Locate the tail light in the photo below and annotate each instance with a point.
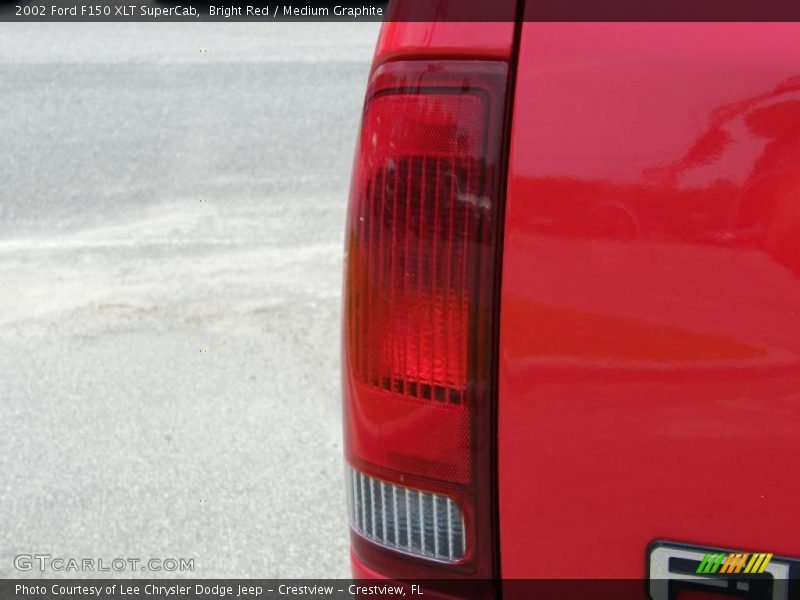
(419, 320)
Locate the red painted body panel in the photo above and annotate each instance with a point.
(441, 40)
(650, 316)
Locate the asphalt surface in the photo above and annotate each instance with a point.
(171, 220)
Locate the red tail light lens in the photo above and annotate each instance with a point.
(420, 285)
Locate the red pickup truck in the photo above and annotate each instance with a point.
(571, 337)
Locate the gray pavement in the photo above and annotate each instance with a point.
(171, 226)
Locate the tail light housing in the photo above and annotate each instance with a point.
(420, 317)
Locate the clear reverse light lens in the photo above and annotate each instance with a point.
(412, 521)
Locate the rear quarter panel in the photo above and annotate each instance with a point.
(650, 318)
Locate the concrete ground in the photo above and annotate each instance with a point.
(171, 229)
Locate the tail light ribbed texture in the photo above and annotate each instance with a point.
(419, 308)
(416, 325)
(412, 314)
(419, 523)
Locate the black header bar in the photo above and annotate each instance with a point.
(405, 10)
